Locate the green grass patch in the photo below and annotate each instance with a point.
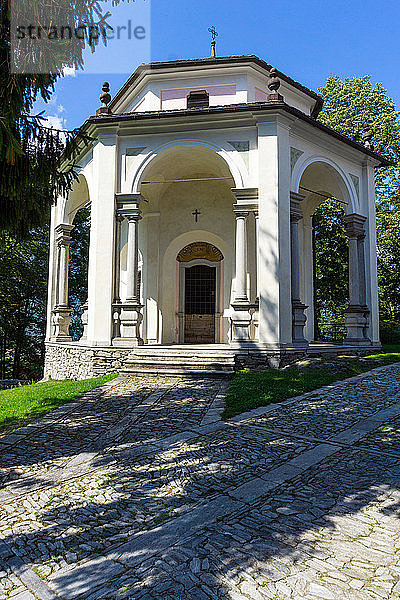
(26, 403)
(252, 389)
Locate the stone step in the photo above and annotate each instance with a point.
(164, 370)
(198, 366)
(186, 353)
(181, 359)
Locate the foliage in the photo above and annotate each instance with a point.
(331, 267)
(388, 237)
(23, 291)
(348, 106)
(30, 152)
(252, 389)
(78, 269)
(390, 332)
(28, 402)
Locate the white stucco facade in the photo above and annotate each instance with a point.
(251, 165)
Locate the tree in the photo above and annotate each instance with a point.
(331, 273)
(30, 152)
(348, 106)
(23, 292)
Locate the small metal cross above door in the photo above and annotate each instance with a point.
(196, 214)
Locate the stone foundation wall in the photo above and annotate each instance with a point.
(72, 361)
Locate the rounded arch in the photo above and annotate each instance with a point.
(136, 174)
(77, 198)
(342, 182)
(183, 240)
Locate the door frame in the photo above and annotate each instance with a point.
(182, 266)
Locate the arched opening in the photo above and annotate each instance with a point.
(70, 287)
(188, 193)
(331, 271)
(200, 293)
(78, 271)
(324, 255)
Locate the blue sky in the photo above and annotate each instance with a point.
(307, 40)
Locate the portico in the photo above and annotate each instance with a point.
(201, 218)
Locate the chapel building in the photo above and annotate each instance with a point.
(202, 177)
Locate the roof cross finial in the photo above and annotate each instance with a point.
(214, 34)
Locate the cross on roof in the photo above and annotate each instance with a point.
(213, 32)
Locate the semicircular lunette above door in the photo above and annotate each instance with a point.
(200, 250)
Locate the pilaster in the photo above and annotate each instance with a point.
(275, 313)
(102, 238)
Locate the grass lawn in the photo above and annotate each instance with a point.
(26, 403)
(251, 389)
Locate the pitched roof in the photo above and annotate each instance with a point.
(212, 62)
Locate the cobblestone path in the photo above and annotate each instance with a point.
(139, 490)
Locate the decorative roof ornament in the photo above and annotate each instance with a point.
(367, 136)
(274, 84)
(105, 98)
(214, 34)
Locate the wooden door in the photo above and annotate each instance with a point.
(200, 292)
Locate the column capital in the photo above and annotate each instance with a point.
(247, 198)
(240, 211)
(128, 204)
(63, 234)
(296, 212)
(354, 225)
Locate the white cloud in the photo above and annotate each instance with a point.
(60, 108)
(55, 122)
(69, 72)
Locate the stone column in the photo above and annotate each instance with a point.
(130, 314)
(246, 199)
(241, 255)
(61, 312)
(355, 319)
(298, 308)
(117, 277)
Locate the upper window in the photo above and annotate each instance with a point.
(198, 99)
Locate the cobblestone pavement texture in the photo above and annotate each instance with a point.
(140, 490)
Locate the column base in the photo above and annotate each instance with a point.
(298, 323)
(130, 318)
(61, 322)
(84, 319)
(356, 323)
(241, 321)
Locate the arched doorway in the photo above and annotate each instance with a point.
(200, 293)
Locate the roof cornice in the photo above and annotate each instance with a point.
(258, 108)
